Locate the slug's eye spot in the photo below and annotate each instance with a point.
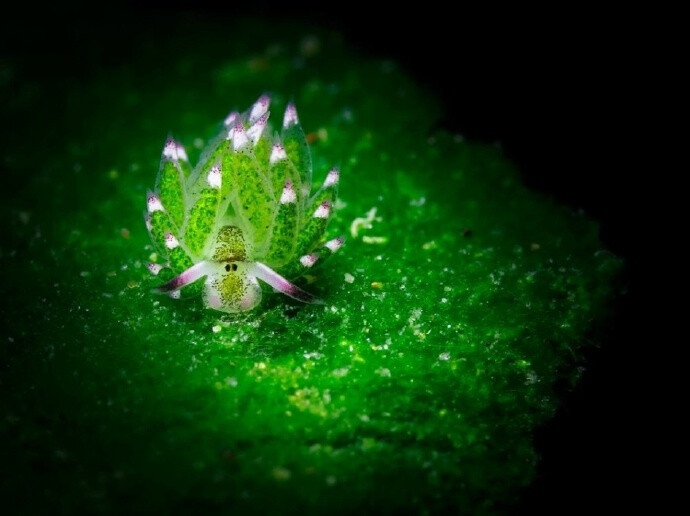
(234, 266)
(227, 267)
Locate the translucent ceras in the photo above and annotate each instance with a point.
(243, 214)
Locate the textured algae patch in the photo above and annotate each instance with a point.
(416, 387)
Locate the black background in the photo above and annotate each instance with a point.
(551, 88)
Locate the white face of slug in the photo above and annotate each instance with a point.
(231, 289)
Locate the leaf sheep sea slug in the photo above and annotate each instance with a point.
(243, 214)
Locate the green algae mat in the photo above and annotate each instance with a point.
(458, 301)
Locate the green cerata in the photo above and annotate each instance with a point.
(244, 213)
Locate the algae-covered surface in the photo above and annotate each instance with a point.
(450, 313)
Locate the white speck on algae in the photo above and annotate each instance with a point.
(374, 239)
(339, 373)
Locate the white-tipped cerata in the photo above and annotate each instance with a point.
(332, 178)
(214, 177)
(254, 132)
(308, 260)
(290, 117)
(175, 294)
(239, 137)
(277, 153)
(323, 211)
(230, 119)
(170, 241)
(153, 203)
(289, 195)
(155, 268)
(335, 244)
(259, 108)
(147, 219)
(181, 153)
(170, 150)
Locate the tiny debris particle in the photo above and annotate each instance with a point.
(364, 222)
(84, 274)
(374, 239)
(349, 278)
(531, 378)
(416, 203)
(429, 245)
(534, 246)
(281, 474)
(331, 480)
(124, 232)
(231, 381)
(444, 356)
(216, 328)
(384, 372)
(377, 285)
(113, 174)
(132, 284)
(467, 232)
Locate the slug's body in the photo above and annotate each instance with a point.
(243, 214)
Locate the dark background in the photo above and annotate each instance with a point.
(555, 90)
(549, 87)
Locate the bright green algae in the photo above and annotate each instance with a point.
(418, 385)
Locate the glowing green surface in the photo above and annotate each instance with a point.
(418, 385)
